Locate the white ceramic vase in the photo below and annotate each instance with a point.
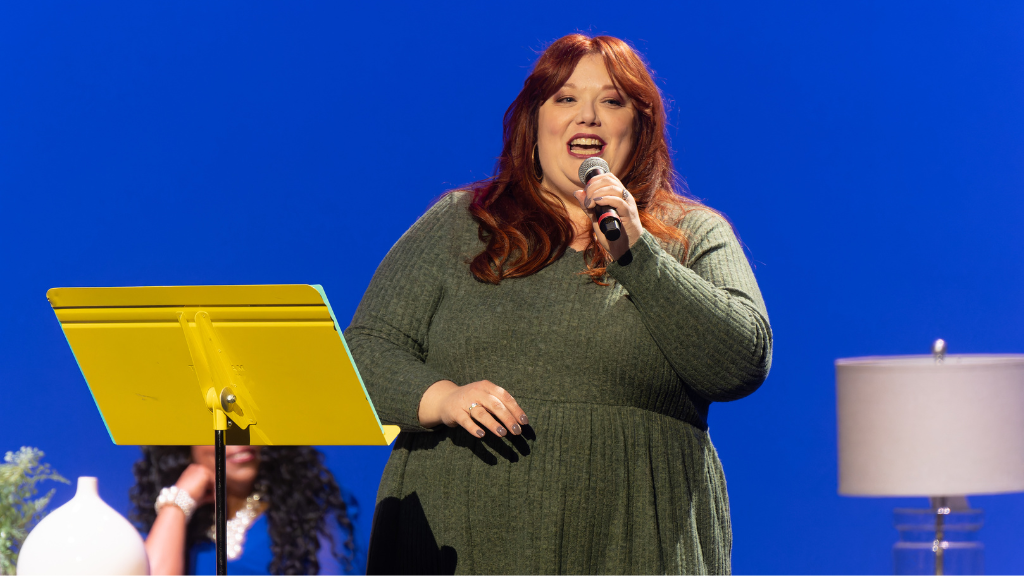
(84, 536)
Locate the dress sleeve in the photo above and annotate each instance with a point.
(388, 334)
(703, 308)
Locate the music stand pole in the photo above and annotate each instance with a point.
(221, 503)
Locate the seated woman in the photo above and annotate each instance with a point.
(286, 514)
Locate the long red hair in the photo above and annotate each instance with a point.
(522, 231)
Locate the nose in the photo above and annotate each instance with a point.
(587, 114)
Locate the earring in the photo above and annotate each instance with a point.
(538, 171)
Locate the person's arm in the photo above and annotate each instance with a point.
(165, 544)
(388, 335)
(706, 315)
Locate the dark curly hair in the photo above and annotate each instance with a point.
(300, 490)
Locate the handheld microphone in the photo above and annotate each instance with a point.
(607, 218)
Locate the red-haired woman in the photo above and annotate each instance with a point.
(553, 386)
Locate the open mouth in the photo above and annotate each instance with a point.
(585, 145)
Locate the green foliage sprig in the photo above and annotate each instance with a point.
(20, 510)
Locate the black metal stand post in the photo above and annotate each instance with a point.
(222, 503)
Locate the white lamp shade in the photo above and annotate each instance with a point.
(909, 426)
(84, 536)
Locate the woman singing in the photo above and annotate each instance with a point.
(553, 386)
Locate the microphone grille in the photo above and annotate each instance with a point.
(588, 166)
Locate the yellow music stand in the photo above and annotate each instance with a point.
(261, 365)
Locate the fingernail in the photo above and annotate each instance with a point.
(516, 429)
(502, 431)
(480, 433)
(524, 420)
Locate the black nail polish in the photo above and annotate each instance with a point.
(524, 420)
(502, 431)
(480, 433)
(516, 429)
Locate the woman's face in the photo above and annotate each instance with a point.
(588, 116)
(242, 464)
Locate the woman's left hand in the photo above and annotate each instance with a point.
(606, 190)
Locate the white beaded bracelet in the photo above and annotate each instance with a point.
(180, 498)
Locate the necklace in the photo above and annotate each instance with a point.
(238, 525)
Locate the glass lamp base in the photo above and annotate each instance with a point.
(938, 541)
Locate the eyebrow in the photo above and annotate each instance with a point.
(605, 87)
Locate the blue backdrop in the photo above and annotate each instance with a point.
(871, 156)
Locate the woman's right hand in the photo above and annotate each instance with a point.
(445, 402)
(199, 482)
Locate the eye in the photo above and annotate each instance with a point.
(614, 102)
(566, 99)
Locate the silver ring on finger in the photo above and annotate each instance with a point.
(625, 194)
(471, 406)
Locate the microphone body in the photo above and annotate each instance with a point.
(607, 218)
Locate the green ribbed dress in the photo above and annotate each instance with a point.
(616, 472)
